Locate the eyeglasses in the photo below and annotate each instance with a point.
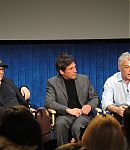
(2, 69)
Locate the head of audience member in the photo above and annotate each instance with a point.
(103, 133)
(126, 127)
(2, 69)
(124, 65)
(5, 144)
(65, 65)
(19, 126)
(71, 146)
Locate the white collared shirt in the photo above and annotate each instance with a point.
(115, 92)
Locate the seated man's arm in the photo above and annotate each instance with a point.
(108, 97)
(51, 99)
(13, 97)
(108, 102)
(117, 109)
(92, 100)
(25, 92)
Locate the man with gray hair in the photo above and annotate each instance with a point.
(116, 94)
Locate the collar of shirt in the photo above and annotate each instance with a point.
(119, 77)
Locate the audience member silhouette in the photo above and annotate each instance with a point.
(19, 126)
(71, 146)
(126, 126)
(42, 116)
(103, 133)
(6, 144)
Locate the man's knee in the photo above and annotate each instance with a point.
(59, 125)
(75, 127)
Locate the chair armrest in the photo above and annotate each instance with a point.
(98, 110)
(52, 112)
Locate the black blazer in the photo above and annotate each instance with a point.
(19, 96)
(56, 94)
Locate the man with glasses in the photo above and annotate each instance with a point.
(9, 93)
(72, 96)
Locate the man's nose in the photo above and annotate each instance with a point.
(75, 70)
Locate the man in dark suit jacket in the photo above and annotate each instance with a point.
(9, 93)
(72, 96)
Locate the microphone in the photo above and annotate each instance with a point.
(127, 90)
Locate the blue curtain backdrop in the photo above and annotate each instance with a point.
(32, 63)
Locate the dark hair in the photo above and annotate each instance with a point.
(6, 144)
(71, 146)
(63, 60)
(103, 133)
(19, 126)
(126, 119)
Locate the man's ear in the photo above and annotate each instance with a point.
(61, 72)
